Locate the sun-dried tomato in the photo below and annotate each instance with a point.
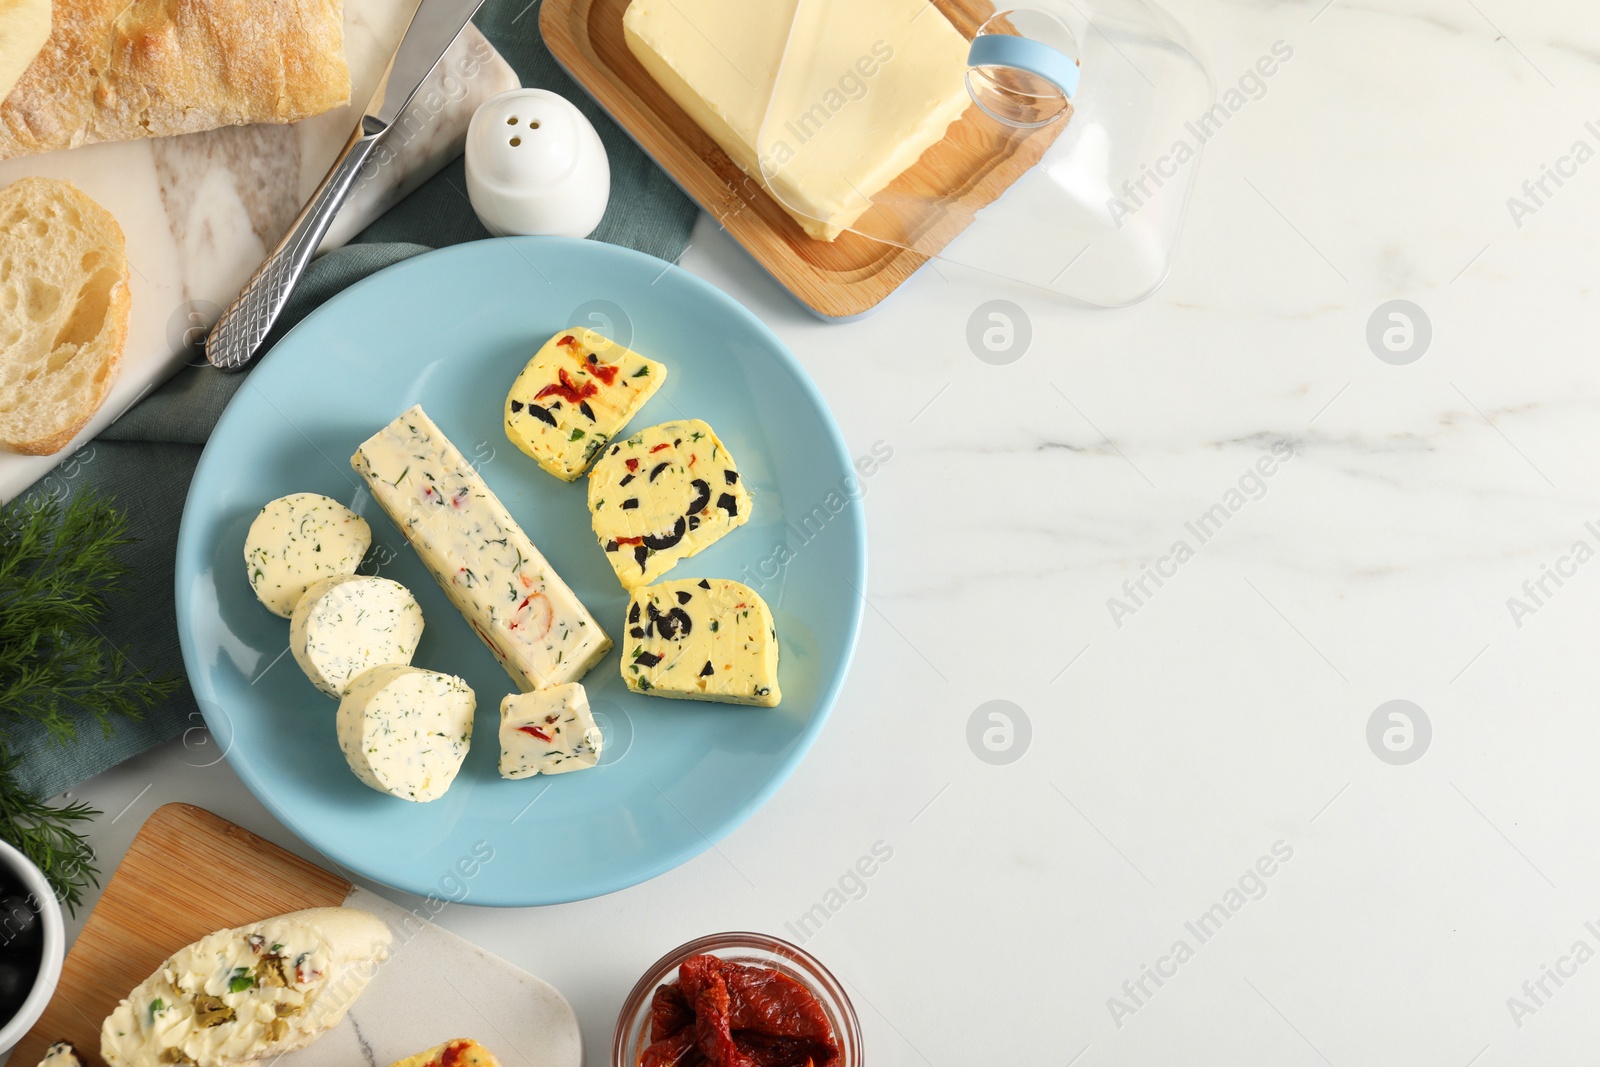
(764, 1050)
(454, 1054)
(739, 1016)
(676, 1050)
(712, 1030)
(567, 390)
(669, 1011)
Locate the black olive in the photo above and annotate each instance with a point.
(728, 504)
(694, 522)
(657, 469)
(640, 554)
(21, 930)
(611, 546)
(730, 476)
(684, 596)
(667, 540)
(674, 623)
(633, 612)
(702, 496)
(16, 980)
(626, 478)
(516, 406)
(588, 411)
(21, 950)
(704, 584)
(630, 503)
(647, 659)
(541, 414)
(637, 631)
(706, 671)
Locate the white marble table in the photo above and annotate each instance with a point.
(1229, 712)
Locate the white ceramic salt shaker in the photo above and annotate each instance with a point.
(535, 165)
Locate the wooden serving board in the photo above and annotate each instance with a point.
(190, 872)
(976, 162)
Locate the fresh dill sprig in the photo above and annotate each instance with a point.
(57, 569)
(48, 836)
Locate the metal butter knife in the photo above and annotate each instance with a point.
(238, 334)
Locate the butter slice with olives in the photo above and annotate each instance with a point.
(702, 639)
(576, 394)
(662, 495)
(462, 1052)
(61, 1054)
(248, 993)
(548, 731)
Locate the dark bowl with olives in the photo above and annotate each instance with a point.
(32, 940)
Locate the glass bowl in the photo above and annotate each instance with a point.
(758, 950)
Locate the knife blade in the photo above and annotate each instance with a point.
(239, 332)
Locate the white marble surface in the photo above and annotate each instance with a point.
(435, 987)
(1230, 711)
(201, 212)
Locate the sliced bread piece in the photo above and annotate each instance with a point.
(64, 305)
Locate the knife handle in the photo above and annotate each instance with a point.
(235, 339)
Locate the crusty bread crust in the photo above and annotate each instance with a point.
(64, 304)
(115, 70)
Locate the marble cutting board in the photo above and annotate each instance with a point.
(200, 212)
(189, 872)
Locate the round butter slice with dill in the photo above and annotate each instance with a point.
(248, 993)
(405, 731)
(298, 540)
(348, 624)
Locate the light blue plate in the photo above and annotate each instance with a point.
(450, 330)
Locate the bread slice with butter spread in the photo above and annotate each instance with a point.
(248, 993)
(64, 304)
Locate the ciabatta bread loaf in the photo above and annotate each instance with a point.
(114, 70)
(63, 312)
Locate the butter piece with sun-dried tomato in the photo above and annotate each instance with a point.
(702, 639)
(576, 394)
(550, 731)
(530, 619)
(662, 495)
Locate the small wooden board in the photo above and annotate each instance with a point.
(188, 872)
(970, 168)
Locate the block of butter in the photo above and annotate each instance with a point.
(882, 81)
(530, 619)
